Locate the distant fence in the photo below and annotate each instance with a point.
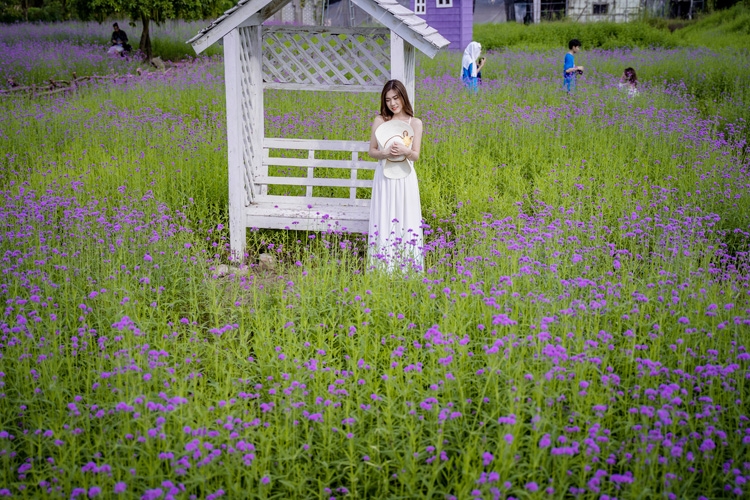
(53, 87)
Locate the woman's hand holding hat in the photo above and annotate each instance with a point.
(398, 149)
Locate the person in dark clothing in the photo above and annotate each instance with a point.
(119, 41)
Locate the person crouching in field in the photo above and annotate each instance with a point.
(629, 82)
(119, 41)
(570, 70)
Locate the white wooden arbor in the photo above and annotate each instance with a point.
(257, 57)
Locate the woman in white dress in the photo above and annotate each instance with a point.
(395, 232)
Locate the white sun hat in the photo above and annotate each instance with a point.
(386, 134)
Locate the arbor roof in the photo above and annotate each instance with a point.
(402, 21)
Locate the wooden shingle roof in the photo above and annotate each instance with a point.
(389, 13)
(405, 23)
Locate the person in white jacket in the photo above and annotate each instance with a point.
(471, 66)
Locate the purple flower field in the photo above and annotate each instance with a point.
(580, 329)
(34, 53)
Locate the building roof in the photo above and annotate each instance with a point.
(389, 13)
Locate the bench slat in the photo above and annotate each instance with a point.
(317, 202)
(293, 210)
(314, 181)
(345, 226)
(316, 144)
(304, 162)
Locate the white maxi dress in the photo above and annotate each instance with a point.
(395, 238)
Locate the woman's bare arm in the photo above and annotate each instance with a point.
(375, 151)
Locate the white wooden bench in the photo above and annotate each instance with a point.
(309, 211)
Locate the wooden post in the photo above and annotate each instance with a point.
(397, 57)
(537, 11)
(255, 103)
(233, 86)
(398, 66)
(410, 68)
(403, 58)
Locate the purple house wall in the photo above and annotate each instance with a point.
(452, 18)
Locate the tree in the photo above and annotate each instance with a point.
(147, 11)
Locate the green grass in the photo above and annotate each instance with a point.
(587, 275)
(716, 30)
(605, 35)
(726, 28)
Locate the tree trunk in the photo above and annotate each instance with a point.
(145, 44)
(25, 9)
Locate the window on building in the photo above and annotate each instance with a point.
(601, 9)
(442, 4)
(420, 6)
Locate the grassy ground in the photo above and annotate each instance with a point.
(728, 28)
(579, 329)
(717, 30)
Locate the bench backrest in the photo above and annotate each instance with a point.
(316, 172)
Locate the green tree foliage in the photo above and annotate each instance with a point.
(34, 10)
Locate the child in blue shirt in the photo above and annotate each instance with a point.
(570, 70)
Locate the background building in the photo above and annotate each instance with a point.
(454, 18)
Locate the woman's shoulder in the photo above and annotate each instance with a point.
(376, 122)
(416, 122)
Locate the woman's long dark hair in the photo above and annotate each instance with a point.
(631, 77)
(396, 85)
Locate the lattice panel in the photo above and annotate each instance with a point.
(250, 126)
(322, 58)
